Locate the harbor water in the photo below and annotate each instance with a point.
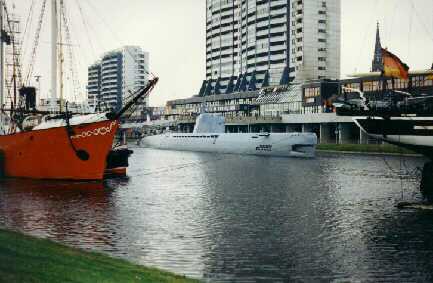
(230, 218)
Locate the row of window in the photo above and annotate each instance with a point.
(199, 137)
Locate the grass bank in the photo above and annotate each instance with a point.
(27, 259)
(365, 148)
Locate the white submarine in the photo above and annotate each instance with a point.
(209, 136)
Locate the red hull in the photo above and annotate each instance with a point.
(115, 172)
(48, 154)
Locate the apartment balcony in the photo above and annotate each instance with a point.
(93, 72)
(278, 38)
(93, 81)
(262, 50)
(281, 20)
(278, 3)
(262, 33)
(282, 11)
(278, 47)
(227, 21)
(107, 71)
(262, 17)
(279, 29)
(110, 62)
(227, 29)
(262, 68)
(278, 57)
(110, 77)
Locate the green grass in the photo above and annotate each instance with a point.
(367, 148)
(27, 259)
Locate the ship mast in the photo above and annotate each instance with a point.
(54, 39)
(1, 56)
(61, 59)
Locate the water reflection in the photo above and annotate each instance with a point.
(241, 218)
(62, 211)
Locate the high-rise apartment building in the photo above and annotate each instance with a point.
(116, 76)
(94, 84)
(315, 39)
(254, 43)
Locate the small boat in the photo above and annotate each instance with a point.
(209, 136)
(117, 161)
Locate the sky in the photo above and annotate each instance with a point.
(174, 33)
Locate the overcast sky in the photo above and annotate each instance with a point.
(173, 32)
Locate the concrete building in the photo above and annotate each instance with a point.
(315, 36)
(301, 106)
(94, 84)
(254, 43)
(116, 76)
(297, 107)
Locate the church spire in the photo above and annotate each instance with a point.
(377, 65)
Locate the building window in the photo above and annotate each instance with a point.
(311, 92)
(322, 39)
(322, 59)
(322, 31)
(321, 68)
(299, 58)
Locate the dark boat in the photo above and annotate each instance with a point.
(117, 162)
(396, 117)
(406, 121)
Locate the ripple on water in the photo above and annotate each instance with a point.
(241, 218)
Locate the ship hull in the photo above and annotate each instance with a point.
(414, 133)
(275, 144)
(49, 154)
(117, 162)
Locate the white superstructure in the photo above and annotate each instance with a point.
(209, 136)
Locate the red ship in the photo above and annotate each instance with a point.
(50, 153)
(68, 147)
(55, 144)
